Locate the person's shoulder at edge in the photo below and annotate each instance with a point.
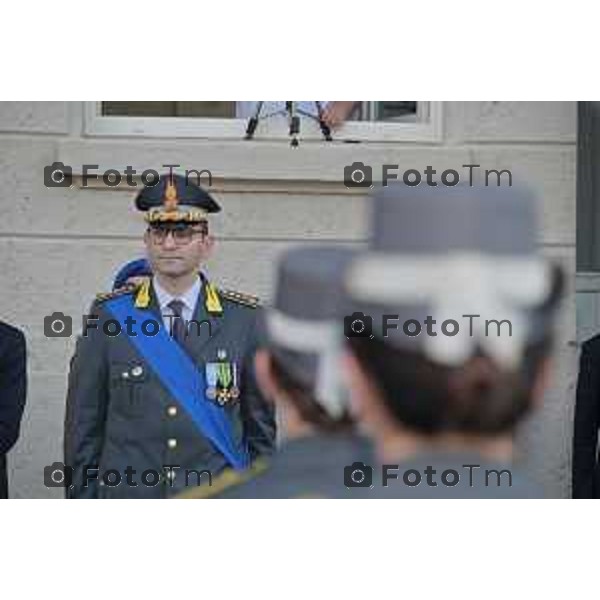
(10, 331)
(11, 338)
(592, 343)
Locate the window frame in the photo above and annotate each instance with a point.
(427, 130)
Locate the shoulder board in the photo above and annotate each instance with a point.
(225, 481)
(115, 293)
(240, 298)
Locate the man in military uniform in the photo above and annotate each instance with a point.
(162, 393)
(456, 350)
(299, 370)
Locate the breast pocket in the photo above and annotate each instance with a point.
(127, 385)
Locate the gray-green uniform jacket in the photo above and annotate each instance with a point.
(346, 467)
(120, 416)
(309, 467)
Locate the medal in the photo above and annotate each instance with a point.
(222, 397)
(210, 370)
(235, 390)
(224, 375)
(224, 381)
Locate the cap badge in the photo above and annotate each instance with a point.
(171, 199)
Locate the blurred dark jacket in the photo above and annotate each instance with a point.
(586, 472)
(13, 389)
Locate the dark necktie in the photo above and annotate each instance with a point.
(177, 322)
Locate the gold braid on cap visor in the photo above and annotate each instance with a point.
(170, 212)
(159, 215)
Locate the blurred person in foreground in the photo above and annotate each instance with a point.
(299, 370)
(13, 391)
(442, 406)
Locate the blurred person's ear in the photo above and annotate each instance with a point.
(366, 403)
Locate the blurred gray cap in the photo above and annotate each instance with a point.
(446, 253)
(304, 325)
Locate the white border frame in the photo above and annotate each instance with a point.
(234, 129)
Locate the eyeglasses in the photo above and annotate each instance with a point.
(181, 236)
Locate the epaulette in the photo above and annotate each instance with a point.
(225, 481)
(240, 298)
(126, 289)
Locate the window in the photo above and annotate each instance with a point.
(388, 111)
(368, 121)
(206, 110)
(363, 111)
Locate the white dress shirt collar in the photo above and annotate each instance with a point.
(189, 298)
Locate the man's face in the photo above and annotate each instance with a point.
(177, 249)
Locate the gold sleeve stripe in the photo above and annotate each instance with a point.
(228, 479)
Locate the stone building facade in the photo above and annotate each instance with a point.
(60, 246)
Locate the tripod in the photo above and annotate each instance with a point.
(292, 114)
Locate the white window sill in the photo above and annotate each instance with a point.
(426, 130)
(272, 160)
